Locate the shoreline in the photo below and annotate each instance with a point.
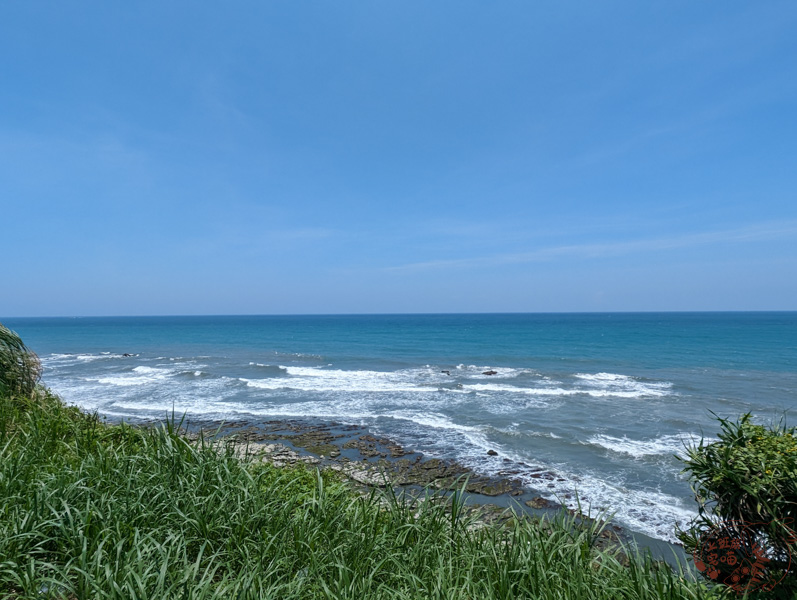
(140, 508)
(369, 461)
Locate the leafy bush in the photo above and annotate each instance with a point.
(19, 367)
(746, 488)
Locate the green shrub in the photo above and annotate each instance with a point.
(746, 488)
(19, 367)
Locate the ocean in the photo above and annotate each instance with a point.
(605, 401)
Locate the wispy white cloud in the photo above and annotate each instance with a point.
(752, 233)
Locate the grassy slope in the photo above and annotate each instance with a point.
(95, 511)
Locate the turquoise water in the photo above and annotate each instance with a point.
(605, 401)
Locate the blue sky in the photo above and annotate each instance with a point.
(414, 156)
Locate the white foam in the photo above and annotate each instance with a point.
(314, 379)
(515, 431)
(623, 386)
(80, 358)
(140, 375)
(553, 391)
(604, 377)
(257, 364)
(477, 372)
(435, 421)
(497, 387)
(648, 511)
(666, 444)
(431, 380)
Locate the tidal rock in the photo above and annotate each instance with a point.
(371, 477)
(278, 455)
(540, 502)
(365, 449)
(608, 534)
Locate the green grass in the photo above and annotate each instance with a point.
(93, 511)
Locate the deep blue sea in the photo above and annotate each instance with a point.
(606, 401)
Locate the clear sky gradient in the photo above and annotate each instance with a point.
(414, 156)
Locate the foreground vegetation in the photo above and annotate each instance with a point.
(746, 487)
(93, 511)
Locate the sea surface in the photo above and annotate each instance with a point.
(606, 401)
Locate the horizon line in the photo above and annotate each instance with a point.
(396, 314)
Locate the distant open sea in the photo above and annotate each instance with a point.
(606, 401)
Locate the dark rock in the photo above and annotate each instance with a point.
(364, 448)
(313, 438)
(608, 534)
(490, 372)
(432, 463)
(492, 453)
(540, 502)
(329, 450)
(394, 449)
(494, 487)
